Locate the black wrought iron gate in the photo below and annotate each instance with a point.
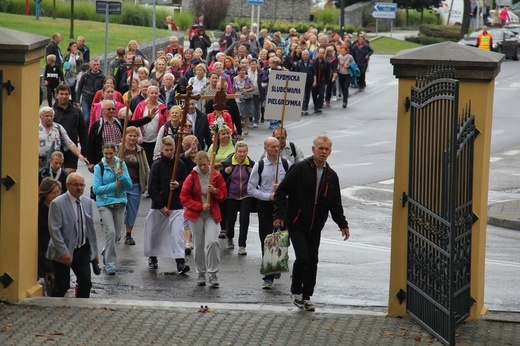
(439, 205)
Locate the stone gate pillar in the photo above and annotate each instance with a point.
(20, 55)
(476, 70)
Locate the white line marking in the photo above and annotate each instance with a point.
(377, 143)
(503, 263)
(387, 182)
(515, 85)
(348, 243)
(511, 152)
(494, 159)
(354, 164)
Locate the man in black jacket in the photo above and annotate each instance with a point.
(306, 66)
(54, 48)
(304, 212)
(200, 125)
(88, 85)
(321, 73)
(71, 118)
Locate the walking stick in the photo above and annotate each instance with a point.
(281, 129)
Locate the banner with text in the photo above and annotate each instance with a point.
(274, 104)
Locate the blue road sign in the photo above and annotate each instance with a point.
(385, 10)
(256, 2)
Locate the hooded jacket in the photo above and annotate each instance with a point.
(159, 183)
(105, 187)
(299, 207)
(236, 181)
(191, 195)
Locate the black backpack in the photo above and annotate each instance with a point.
(92, 194)
(285, 165)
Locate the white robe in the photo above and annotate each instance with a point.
(164, 236)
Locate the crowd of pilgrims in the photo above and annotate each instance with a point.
(194, 204)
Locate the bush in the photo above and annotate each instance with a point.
(448, 33)
(135, 15)
(328, 16)
(424, 40)
(430, 17)
(183, 19)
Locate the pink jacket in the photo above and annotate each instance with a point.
(163, 113)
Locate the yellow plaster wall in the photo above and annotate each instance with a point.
(19, 208)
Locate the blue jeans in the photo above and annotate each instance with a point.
(85, 108)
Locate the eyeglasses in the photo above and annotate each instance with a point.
(77, 185)
(110, 109)
(188, 125)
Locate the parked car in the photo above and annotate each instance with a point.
(515, 8)
(514, 28)
(504, 41)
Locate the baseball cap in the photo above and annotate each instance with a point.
(215, 46)
(195, 61)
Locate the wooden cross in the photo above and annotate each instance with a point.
(135, 64)
(221, 99)
(186, 97)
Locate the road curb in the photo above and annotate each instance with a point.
(505, 214)
(94, 303)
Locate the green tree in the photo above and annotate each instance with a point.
(419, 5)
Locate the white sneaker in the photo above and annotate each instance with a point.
(230, 244)
(255, 125)
(334, 98)
(242, 251)
(201, 281)
(213, 281)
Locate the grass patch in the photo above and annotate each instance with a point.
(94, 32)
(387, 45)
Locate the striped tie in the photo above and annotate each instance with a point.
(81, 235)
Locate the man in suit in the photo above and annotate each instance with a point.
(200, 125)
(73, 238)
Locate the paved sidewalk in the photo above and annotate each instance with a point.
(505, 214)
(57, 321)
